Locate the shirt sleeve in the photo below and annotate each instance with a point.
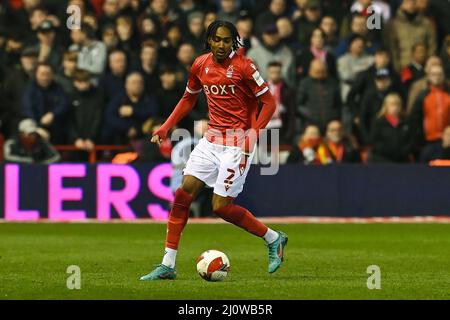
(193, 85)
(253, 79)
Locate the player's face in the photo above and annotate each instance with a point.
(221, 44)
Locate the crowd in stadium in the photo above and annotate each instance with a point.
(354, 81)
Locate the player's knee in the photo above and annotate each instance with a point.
(191, 187)
(217, 205)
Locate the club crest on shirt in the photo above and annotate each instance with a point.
(206, 70)
(230, 71)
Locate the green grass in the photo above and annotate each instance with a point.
(322, 262)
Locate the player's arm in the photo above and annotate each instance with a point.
(184, 106)
(266, 113)
(182, 109)
(261, 91)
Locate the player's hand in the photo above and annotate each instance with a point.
(159, 135)
(157, 139)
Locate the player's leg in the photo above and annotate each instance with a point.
(241, 217)
(178, 218)
(200, 169)
(230, 182)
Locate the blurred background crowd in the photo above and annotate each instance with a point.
(354, 80)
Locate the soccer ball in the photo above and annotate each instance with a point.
(213, 265)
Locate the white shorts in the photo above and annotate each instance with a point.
(218, 167)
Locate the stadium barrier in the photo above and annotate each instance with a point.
(75, 192)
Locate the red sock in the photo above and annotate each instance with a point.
(243, 218)
(178, 218)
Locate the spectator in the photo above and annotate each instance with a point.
(315, 51)
(90, 19)
(28, 146)
(149, 67)
(110, 38)
(431, 110)
(318, 99)
(169, 46)
(244, 26)
(366, 8)
(276, 10)
(110, 11)
(170, 92)
(308, 22)
(298, 10)
(91, 53)
(15, 43)
(188, 6)
(126, 113)
(284, 117)
(337, 148)
(329, 26)
(420, 85)
(352, 63)
(415, 69)
(271, 49)
(86, 108)
(229, 11)
(391, 133)
(112, 82)
(196, 31)
(19, 18)
(185, 56)
(372, 103)
(65, 77)
(48, 50)
(148, 28)
(36, 17)
(15, 84)
(407, 28)
(439, 150)
(165, 15)
(365, 81)
(210, 16)
(127, 40)
(44, 101)
(305, 150)
(358, 27)
(286, 32)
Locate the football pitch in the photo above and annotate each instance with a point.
(323, 261)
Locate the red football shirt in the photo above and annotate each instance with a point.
(232, 88)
